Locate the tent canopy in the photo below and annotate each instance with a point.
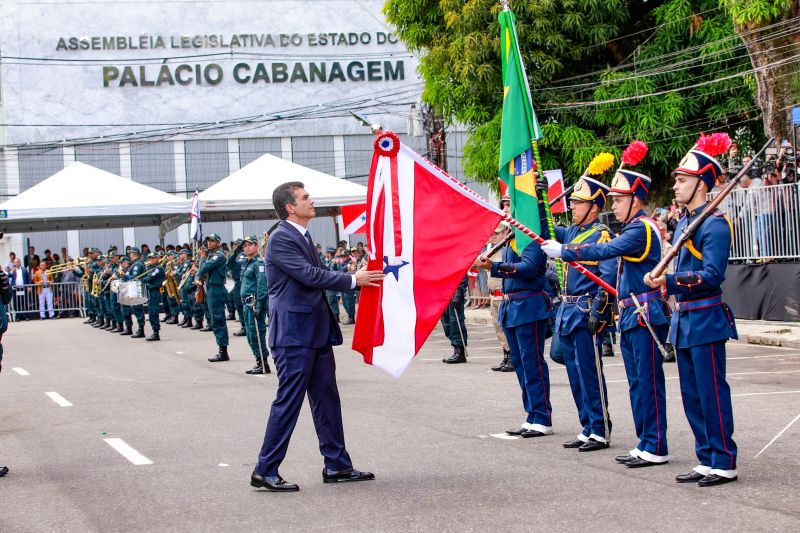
(84, 197)
(247, 193)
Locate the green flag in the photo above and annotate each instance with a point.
(520, 129)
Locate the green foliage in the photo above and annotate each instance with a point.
(757, 12)
(632, 61)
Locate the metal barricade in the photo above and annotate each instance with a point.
(766, 222)
(34, 301)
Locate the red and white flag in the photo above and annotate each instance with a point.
(354, 218)
(555, 186)
(424, 230)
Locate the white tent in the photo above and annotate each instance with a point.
(247, 193)
(84, 197)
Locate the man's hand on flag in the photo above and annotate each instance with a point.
(368, 278)
(552, 248)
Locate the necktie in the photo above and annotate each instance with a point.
(310, 241)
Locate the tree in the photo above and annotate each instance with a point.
(602, 73)
(774, 56)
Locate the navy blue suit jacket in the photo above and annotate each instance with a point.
(298, 309)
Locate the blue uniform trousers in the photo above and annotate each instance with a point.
(116, 308)
(90, 305)
(579, 358)
(645, 371)
(216, 296)
(153, 305)
(707, 403)
(526, 343)
(455, 329)
(349, 303)
(237, 302)
(333, 302)
(256, 328)
(302, 370)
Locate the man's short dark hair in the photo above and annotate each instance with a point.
(284, 194)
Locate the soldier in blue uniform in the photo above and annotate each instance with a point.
(104, 296)
(348, 296)
(216, 295)
(6, 295)
(135, 274)
(639, 247)
(584, 312)
(91, 301)
(255, 304)
(525, 314)
(235, 263)
(702, 323)
(454, 325)
(153, 281)
(127, 311)
(200, 307)
(116, 310)
(100, 274)
(186, 286)
(171, 305)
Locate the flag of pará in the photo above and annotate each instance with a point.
(555, 186)
(424, 230)
(519, 128)
(194, 231)
(354, 218)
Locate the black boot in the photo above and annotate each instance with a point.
(99, 322)
(90, 320)
(153, 337)
(458, 356)
(173, 320)
(221, 356)
(139, 334)
(670, 357)
(258, 369)
(128, 330)
(187, 322)
(108, 325)
(231, 315)
(118, 328)
(504, 362)
(608, 350)
(198, 324)
(207, 328)
(241, 333)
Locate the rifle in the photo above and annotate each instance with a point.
(689, 231)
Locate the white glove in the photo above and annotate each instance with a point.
(552, 248)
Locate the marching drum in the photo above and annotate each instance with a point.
(132, 293)
(115, 285)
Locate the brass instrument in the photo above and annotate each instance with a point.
(169, 282)
(69, 265)
(97, 283)
(186, 275)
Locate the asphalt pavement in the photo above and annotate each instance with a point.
(107, 433)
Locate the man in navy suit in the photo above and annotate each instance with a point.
(302, 331)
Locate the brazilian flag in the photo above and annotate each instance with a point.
(520, 129)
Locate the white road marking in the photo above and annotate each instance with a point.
(505, 436)
(60, 400)
(223, 465)
(776, 436)
(21, 371)
(179, 353)
(125, 450)
(765, 393)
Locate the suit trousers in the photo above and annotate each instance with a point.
(579, 358)
(706, 399)
(302, 370)
(644, 367)
(526, 343)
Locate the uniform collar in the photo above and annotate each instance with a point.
(696, 211)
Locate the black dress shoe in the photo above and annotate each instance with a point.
(272, 483)
(3, 471)
(207, 328)
(198, 325)
(691, 477)
(138, 335)
(154, 337)
(642, 463)
(516, 432)
(712, 480)
(339, 476)
(592, 445)
(231, 316)
(577, 443)
(624, 459)
(529, 433)
(240, 333)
